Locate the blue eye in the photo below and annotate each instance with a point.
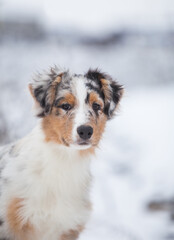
(96, 107)
(66, 106)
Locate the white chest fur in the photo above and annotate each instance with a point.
(54, 183)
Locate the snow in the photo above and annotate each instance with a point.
(134, 164)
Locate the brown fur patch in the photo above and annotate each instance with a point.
(54, 85)
(22, 231)
(32, 94)
(105, 88)
(98, 128)
(72, 234)
(97, 123)
(69, 98)
(58, 128)
(58, 125)
(31, 90)
(93, 97)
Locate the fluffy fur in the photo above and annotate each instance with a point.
(45, 177)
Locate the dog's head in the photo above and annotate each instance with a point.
(74, 108)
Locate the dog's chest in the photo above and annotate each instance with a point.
(59, 199)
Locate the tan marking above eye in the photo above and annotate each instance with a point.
(94, 98)
(67, 99)
(70, 98)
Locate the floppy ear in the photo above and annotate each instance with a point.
(113, 93)
(44, 89)
(110, 90)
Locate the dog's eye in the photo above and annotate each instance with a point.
(66, 106)
(96, 106)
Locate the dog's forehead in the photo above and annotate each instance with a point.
(71, 84)
(78, 82)
(80, 87)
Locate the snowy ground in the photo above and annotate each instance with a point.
(135, 162)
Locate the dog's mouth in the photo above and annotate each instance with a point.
(83, 143)
(79, 144)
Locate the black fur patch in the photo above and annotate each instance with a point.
(1, 223)
(106, 109)
(40, 95)
(97, 90)
(90, 113)
(41, 115)
(87, 98)
(96, 75)
(47, 108)
(43, 93)
(96, 113)
(115, 89)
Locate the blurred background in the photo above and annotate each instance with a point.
(133, 40)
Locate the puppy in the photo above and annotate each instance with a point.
(45, 177)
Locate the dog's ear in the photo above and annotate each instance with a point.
(111, 91)
(43, 90)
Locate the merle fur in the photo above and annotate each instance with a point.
(41, 91)
(116, 90)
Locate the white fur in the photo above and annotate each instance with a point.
(81, 112)
(53, 180)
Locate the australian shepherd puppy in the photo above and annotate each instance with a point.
(45, 177)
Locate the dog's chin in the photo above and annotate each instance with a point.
(80, 146)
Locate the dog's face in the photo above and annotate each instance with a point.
(75, 108)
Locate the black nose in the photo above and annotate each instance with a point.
(85, 132)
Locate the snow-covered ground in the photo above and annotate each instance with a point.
(135, 162)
